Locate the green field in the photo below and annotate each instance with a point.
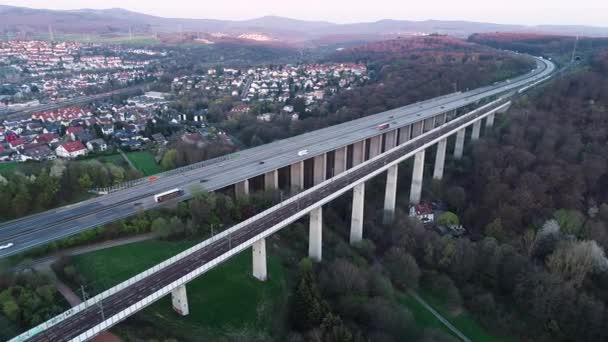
(225, 299)
(144, 162)
(423, 317)
(8, 166)
(464, 322)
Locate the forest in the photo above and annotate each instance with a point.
(536, 189)
(403, 71)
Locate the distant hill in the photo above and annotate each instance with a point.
(27, 22)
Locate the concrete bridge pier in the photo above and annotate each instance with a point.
(179, 298)
(271, 180)
(259, 259)
(490, 120)
(390, 140)
(417, 174)
(404, 134)
(390, 194)
(459, 148)
(358, 152)
(440, 159)
(340, 160)
(241, 189)
(320, 168)
(297, 175)
(476, 130)
(356, 223)
(417, 129)
(315, 236)
(375, 146)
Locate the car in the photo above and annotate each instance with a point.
(7, 245)
(302, 153)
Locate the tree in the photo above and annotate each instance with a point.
(161, 227)
(307, 308)
(169, 160)
(574, 260)
(402, 267)
(495, 230)
(85, 182)
(448, 219)
(456, 197)
(570, 221)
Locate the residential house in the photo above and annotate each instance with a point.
(37, 152)
(71, 149)
(423, 212)
(97, 145)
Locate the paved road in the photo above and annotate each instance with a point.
(90, 317)
(42, 228)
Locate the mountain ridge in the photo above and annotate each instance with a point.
(117, 21)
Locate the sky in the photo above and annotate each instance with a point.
(527, 12)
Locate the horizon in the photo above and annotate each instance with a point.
(593, 17)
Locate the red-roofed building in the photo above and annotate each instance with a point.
(423, 212)
(17, 143)
(71, 149)
(72, 131)
(46, 138)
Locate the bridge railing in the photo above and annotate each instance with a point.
(490, 107)
(222, 235)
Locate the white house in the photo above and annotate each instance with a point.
(71, 149)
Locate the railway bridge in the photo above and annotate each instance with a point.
(345, 165)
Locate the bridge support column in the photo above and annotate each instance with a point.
(459, 148)
(428, 124)
(390, 140)
(297, 175)
(390, 194)
(320, 169)
(404, 134)
(476, 130)
(241, 189)
(356, 223)
(375, 146)
(417, 174)
(440, 159)
(358, 152)
(490, 120)
(259, 259)
(271, 180)
(315, 234)
(340, 160)
(417, 128)
(179, 298)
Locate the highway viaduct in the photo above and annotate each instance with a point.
(334, 173)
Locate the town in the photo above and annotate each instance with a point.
(101, 126)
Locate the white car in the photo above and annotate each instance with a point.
(7, 245)
(303, 153)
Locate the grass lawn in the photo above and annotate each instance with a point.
(464, 322)
(8, 166)
(224, 299)
(423, 318)
(144, 162)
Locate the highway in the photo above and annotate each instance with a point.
(81, 321)
(45, 227)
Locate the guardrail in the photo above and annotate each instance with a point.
(493, 106)
(143, 180)
(490, 107)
